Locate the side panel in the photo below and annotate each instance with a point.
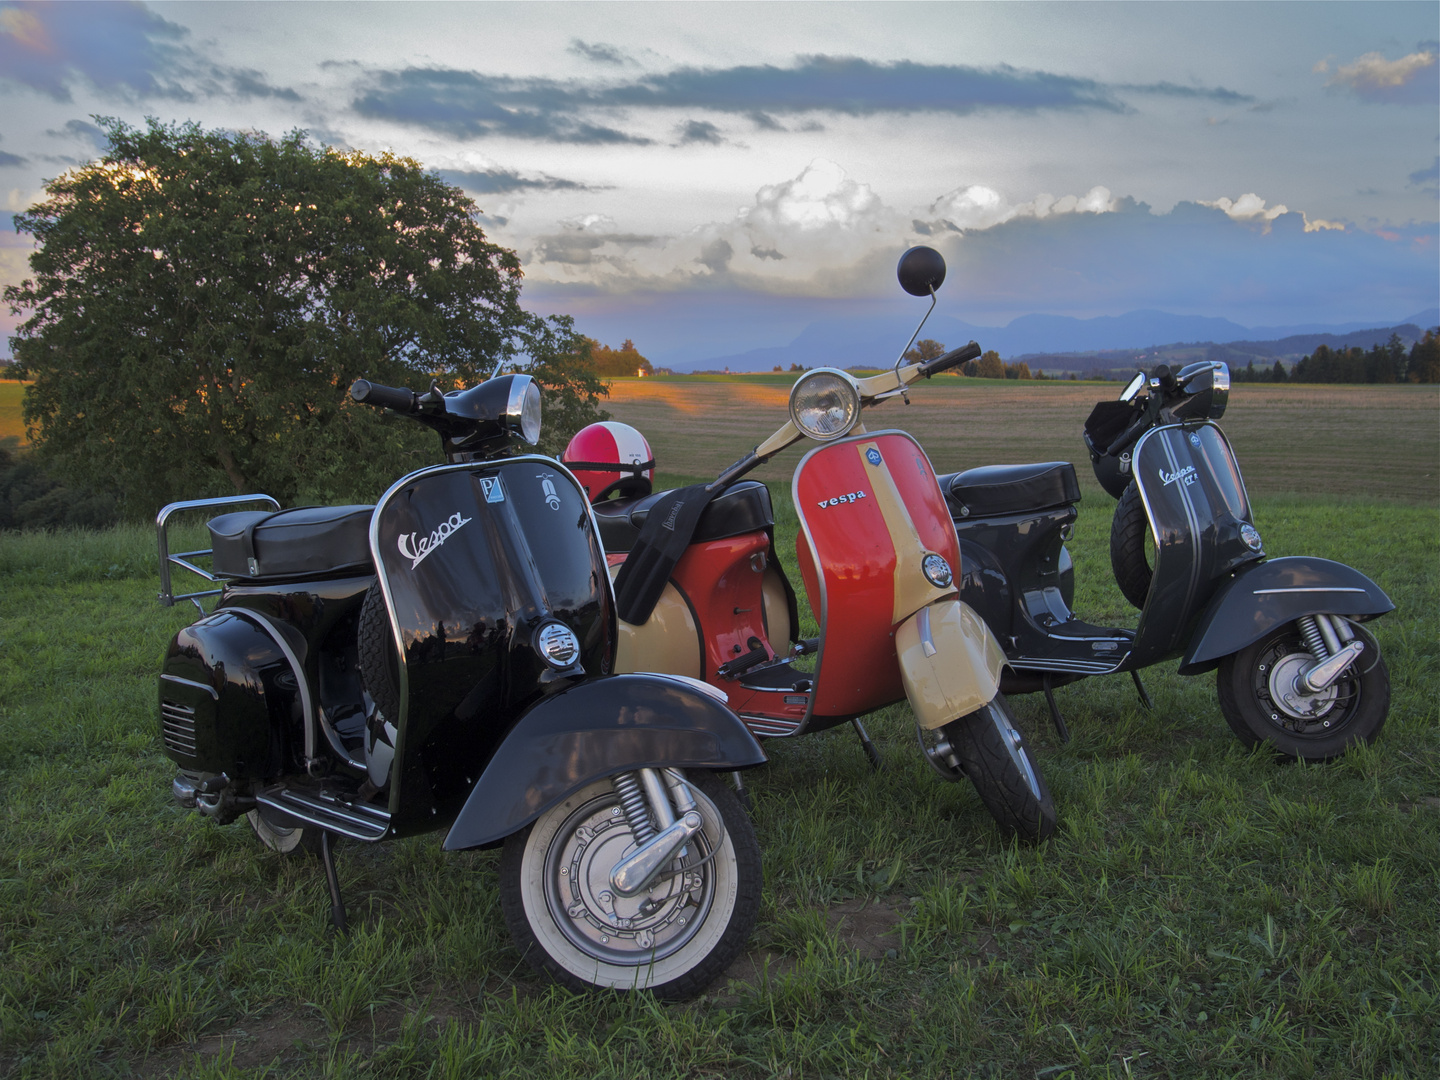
(473, 559)
(1196, 502)
(593, 730)
(870, 510)
(1262, 596)
(668, 641)
(226, 696)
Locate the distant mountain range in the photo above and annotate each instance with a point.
(1062, 342)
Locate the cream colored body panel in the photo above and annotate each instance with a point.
(669, 640)
(776, 611)
(958, 673)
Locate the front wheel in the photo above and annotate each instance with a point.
(989, 749)
(675, 938)
(1257, 690)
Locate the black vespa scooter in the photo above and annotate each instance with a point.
(1295, 667)
(443, 660)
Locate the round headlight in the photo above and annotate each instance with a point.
(522, 410)
(825, 403)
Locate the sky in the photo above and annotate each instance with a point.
(705, 178)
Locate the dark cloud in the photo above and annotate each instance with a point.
(504, 181)
(8, 160)
(251, 84)
(700, 131)
(766, 253)
(85, 132)
(579, 248)
(1199, 93)
(1430, 175)
(601, 54)
(716, 255)
(470, 105)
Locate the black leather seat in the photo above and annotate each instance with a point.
(743, 507)
(312, 540)
(1010, 489)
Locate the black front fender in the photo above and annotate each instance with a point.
(596, 729)
(1261, 596)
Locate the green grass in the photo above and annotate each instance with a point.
(11, 421)
(1201, 912)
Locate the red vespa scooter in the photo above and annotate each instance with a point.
(700, 593)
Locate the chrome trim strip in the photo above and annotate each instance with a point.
(214, 694)
(1086, 667)
(927, 640)
(1308, 589)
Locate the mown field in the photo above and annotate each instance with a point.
(11, 393)
(1202, 911)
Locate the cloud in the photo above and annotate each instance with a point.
(980, 207)
(470, 104)
(1411, 79)
(1251, 208)
(716, 255)
(700, 131)
(1426, 177)
(120, 47)
(115, 46)
(505, 181)
(600, 54)
(583, 240)
(88, 133)
(8, 160)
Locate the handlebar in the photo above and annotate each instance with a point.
(951, 359)
(384, 397)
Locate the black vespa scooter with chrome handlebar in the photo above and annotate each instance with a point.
(444, 660)
(1296, 668)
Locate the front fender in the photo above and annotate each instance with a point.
(1261, 596)
(594, 729)
(949, 662)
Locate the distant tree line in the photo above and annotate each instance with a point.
(988, 366)
(1386, 363)
(626, 360)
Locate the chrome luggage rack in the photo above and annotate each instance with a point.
(184, 559)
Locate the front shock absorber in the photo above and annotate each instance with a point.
(632, 805)
(1310, 633)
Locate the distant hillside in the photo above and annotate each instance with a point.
(1058, 342)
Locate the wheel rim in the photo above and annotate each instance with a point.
(940, 755)
(627, 931)
(1313, 716)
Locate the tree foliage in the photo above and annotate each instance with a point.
(625, 360)
(1387, 363)
(924, 349)
(202, 300)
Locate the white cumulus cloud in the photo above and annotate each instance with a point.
(980, 207)
(1410, 78)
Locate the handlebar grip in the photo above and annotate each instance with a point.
(383, 397)
(951, 359)
(1128, 435)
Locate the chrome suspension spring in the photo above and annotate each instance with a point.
(632, 805)
(1311, 633)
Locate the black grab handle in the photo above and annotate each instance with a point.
(383, 397)
(950, 359)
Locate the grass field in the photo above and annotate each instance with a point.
(1202, 912)
(11, 393)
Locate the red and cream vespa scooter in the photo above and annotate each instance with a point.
(700, 593)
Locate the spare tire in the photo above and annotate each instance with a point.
(1131, 543)
(379, 666)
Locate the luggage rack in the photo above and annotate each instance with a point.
(184, 559)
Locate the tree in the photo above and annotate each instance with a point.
(1424, 363)
(625, 360)
(1277, 373)
(202, 300)
(924, 349)
(990, 365)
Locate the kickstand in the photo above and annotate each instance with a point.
(1140, 689)
(870, 751)
(337, 905)
(743, 792)
(1059, 721)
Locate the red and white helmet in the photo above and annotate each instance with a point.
(610, 457)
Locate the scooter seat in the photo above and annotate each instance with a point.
(743, 507)
(307, 540)
(1010, 489)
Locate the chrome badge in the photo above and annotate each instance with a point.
(1251, 536)
(937, 571)
(558, 644)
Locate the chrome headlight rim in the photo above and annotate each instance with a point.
(522, 408)
(844, 382)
